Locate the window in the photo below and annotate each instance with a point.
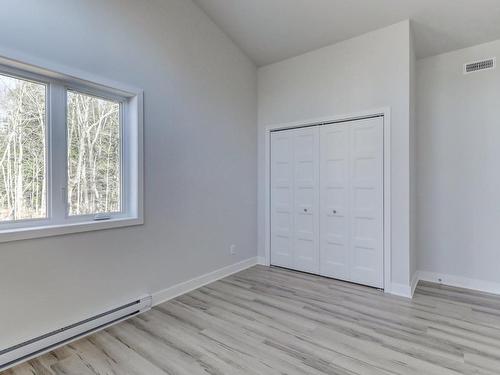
(23, 172)
(70, 154)
(94, 151)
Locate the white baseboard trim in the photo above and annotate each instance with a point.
(262, 261)
(190, 285)
(408, 291)
(414, 282)
(400, 290)
(460, 282)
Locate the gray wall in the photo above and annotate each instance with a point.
(363, 73)
(458, 148)
(200, 155)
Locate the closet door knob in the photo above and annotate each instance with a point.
(305, 209)
(334, 211)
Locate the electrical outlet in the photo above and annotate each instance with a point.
(232, 249)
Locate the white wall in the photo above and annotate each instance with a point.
(370, 71)
(200, 153)
(458, 143)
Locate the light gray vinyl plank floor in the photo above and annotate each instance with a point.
(274, 321)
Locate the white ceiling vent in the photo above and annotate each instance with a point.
(476, 66)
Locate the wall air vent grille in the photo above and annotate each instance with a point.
(477, 66)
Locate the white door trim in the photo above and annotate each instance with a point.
(386, 113)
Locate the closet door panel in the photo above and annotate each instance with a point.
(282, 233)
(334, 196)
(366, 202)
(327, 200)
(306, 199)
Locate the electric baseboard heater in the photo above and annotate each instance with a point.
(27, 350)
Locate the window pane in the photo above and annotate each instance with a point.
(93, 155)
(23, 185)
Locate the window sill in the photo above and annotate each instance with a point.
(9, 235)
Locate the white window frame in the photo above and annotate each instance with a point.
(59, 80)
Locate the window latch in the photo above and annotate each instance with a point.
(102, 217)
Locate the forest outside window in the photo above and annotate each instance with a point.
(23, 151)
(94, 155)
(70, 155)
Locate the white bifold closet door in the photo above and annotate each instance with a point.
(351, 214)
(295, 199)
(327, 200)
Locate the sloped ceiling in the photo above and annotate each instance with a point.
(273, 30)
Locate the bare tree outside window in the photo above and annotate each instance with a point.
(23, 174)
(94, 178)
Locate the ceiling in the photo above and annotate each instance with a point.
(273, 30)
